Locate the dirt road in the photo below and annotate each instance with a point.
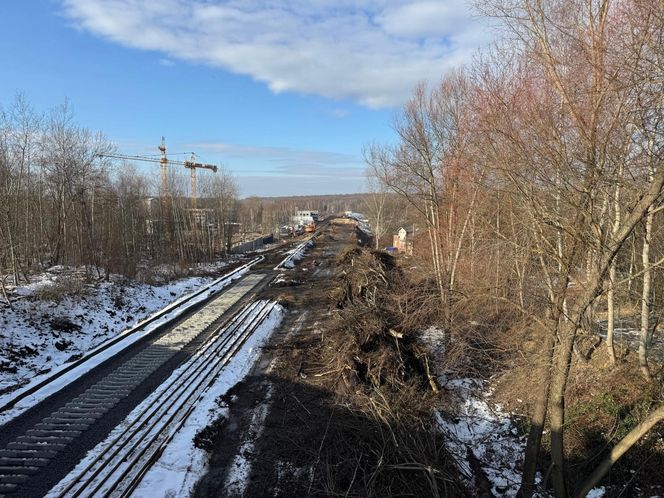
(271, 440)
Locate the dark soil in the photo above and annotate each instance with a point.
(349, 406)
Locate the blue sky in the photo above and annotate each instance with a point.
(284, 94)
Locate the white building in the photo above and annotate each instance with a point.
(402, 241)
(304, 217)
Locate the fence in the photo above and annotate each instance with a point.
(252, 245)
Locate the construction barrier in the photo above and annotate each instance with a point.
(253, 245)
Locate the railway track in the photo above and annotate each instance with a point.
(298, 252)
(212, 334)
(170, 313)
(29, 455)
(120, 464)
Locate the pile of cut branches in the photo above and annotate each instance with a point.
(381, 375)
(375, 335)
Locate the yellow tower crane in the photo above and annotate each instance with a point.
(164, 162)
(193, 165)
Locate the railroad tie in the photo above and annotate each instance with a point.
(30, 452)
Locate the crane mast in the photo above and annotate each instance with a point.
(163, 162)
(193, 165)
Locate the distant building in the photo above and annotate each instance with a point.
(202, 217)
(152, 206)
(304, 217)
(401, 241)
(285, 231)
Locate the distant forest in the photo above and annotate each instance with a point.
(62, 202)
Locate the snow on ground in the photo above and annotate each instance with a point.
(45, 329)
(482, 427)
(182, 464)
(362, 223)
(296, 254)
(280, 279)
(433, 340)
(630, 337)
(240, 470)
(486, 430)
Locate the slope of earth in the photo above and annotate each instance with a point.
(61, 315)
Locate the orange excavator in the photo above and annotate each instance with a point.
(311, 227)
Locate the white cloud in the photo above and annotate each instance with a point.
(430, 18)
(372, 52)
(166, 63)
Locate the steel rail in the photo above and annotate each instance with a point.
(167, 431)
(114, 444)
(200, 374)
(137, 328)
(152, 459)
(303, 245)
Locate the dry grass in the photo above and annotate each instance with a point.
(602, 405)
(62, 288)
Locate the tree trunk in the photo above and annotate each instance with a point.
(645, 298)
(563, 361)
(12, 250)
(4, 292)
(610, 327)
(459, 242)
(610, 321)
(632, 264)
(619, 450)
(537, 421)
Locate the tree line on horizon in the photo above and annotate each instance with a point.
(63, 203)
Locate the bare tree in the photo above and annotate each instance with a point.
(567, 52)
(378, 210)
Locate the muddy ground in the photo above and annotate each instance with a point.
(285, 420)
(297, 412)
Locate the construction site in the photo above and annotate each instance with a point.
(390, 249)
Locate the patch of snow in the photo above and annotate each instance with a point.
(28, 325)
(296, 254)
(240, 468)
(286, 470)
(596, 492)
(488, 432)
(433, 339)
(182, 464)
(362, 223)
